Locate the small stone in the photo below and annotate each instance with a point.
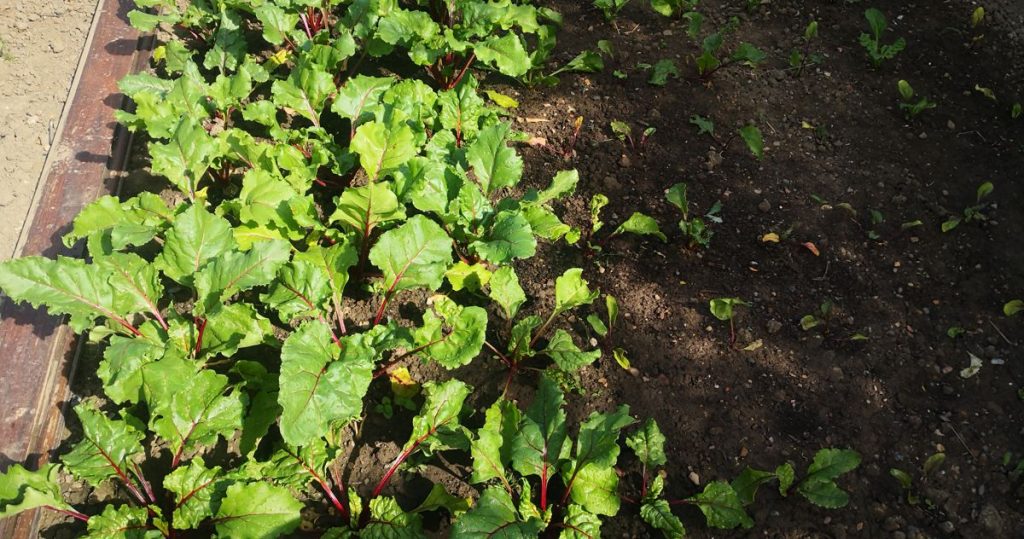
(990, 519)
(923, 136)
(21, 26)
(57, 46)
(892, 523)
(947, 527)
(625, 161)
(694, 478)
(634, 371)
(950, 125)
(774, 326)
(765, 206)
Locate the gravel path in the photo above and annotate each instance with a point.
(40, 45)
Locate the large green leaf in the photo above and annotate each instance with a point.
(317, 387)
(597, 442)
(581, 524)
(257, 511)
(506, 53)
(361, 209)
(359, 98)
(491, 450)
(495, 516)
(415, 254)
(21, 490)
(136, 282)
(641, 225)
(440, 412)
(658, 513)
(197, 417)
(495, 165)
(382, 148)
(539, 446)
(389, 521)
(595, 488)
(121, 522)
(234, 272)
(65, 286)
(106, 449)
(196, 237)
(819, 485)
(195, 493)
(510, 238)
(304, 92)
(572, 291)
(186, 157)
(452, 335)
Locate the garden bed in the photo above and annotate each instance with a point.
(862, 312)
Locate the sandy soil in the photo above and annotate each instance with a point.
(40, 45)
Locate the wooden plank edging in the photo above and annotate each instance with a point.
(37, 350)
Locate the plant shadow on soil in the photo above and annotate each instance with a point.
(896, 397)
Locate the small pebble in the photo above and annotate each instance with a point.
(694, 478)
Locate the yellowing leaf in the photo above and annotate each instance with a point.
(770, 237)
(756, 345)
(987, 92)
(806, 125)
(620, 357)
(502, 100)
(402, 384)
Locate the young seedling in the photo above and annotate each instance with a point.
(973, 213)
(872, 43)
(750, 134)
(908, 105)
(695, 229)
(605, 330)
(977, 18)
(1016, 110)
(723, 309)
(906, 482)
(710, 59)
(638, 223)
(674, 8)
(802, 57)
(1013, 307)
(624, 133)
(610, 8)
(662, 70)
(820, 318)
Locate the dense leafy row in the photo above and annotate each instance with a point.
(304, 191)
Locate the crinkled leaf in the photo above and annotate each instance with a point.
(304, 92)
(495, 516)
(359, 98)
(234, 272)
(415, 254)
(196, 417)
(495, 165)
(722, 507)
(510, 238)
(440, 411)
(658, 513)
(121, 522)
(382, 148)
(21, 490)
(452, 335)
(184, 159)
(317, 387)
(361, 209)
(106, 448)
(257, 511)
(65, 286)
(389, 521)
(595, 488)
(566, 354)
(649, 444)
(641, 225)
(195, 493)
(472, 277)
(196, 237)
(539, 446)
(581, 524)
(662, 70)
(506, 53)
(506, 291)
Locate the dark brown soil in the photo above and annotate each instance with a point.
(897, 397)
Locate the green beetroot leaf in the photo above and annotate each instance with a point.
(107, 448)
(121, 522)
(649, 444)
(186, 157)
(506, 291)
(581, 524)
(195, 418)
(304, 92)
(439, 416)
(506, 53)
(641, 225)
(197, 237)
(540, 446)
(747, 483)
(595, 488)
(452, 335)
(196, 492)
(413, 255)
(495, 165)
(495, 515)
(301, 291)
(359, 99)
(135, 281)
(491, 449)
(722, 506)
(21, 490)
(389, 521)
(234, 272)
(819, 486)
(65, 286)
(383, 148)
(658, 513)
(132, 222)
(572, 291)
(257, 511)
(566, 354)
(510, 238)
(320, 384)
(362, 209)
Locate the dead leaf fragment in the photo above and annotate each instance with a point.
(770, 237)
(812, 248)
